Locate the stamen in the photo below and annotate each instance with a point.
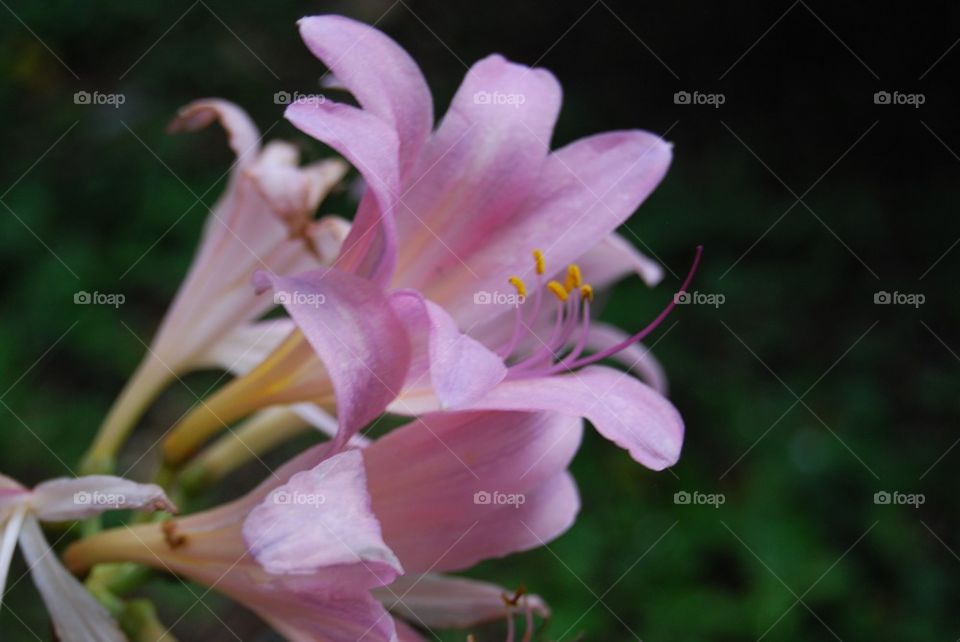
(603, 354)
(558, 290)
(545, 353)
(586, 292)
(521, 287)
(541, 265)
(566, 363)
(573, 277)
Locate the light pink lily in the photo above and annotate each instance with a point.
(262, 221)
(76, 614)
(437, 495)
(448, 217)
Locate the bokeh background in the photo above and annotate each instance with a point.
(802, 396)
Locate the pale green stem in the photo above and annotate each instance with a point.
(256, 436)
(139, 620)
(147, 382)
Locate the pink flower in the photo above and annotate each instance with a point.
(262, 221)
(76, 614)
(449, 216)
(306, 548)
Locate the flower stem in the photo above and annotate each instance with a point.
(139, 620)
(147, 382)
(261, 433)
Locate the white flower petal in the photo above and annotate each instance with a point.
(11, 530)
(66, 499)
(76, 615)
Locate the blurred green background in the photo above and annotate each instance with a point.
(802, 397)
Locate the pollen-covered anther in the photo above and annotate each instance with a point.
(586, 292)
(540, 263)
(519, 285)
(573, 279)
(558, 290)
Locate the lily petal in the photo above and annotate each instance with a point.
(65, 499)
(585, 191)
(356, 334)
(372, 146)
(321, 519)
(444, 601)
(429, 481)
(460, 368)
(242, 133)
(331, 618)
(382, 76)
(614, 258)
(76, 615)
(476, 171)
(627, 412)
(11, 531)
(636, 357)
(246, 346)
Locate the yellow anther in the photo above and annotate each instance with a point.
(541, 264)
(573, 277)
(586, 292)
(521, 287)
(558, 290)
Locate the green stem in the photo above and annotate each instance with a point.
(257, 435)
(147, 382)
(139, 620)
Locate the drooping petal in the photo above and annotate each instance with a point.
(76, 615)
(636, 357)
(443, 601)
(355, 333)
(382, 76)
(242, 133)
(454, 488)
(459, 368)
(621, 408)
(584, 192)
(321, 519)
(476, 171)
(64, 499)
(371, 145)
